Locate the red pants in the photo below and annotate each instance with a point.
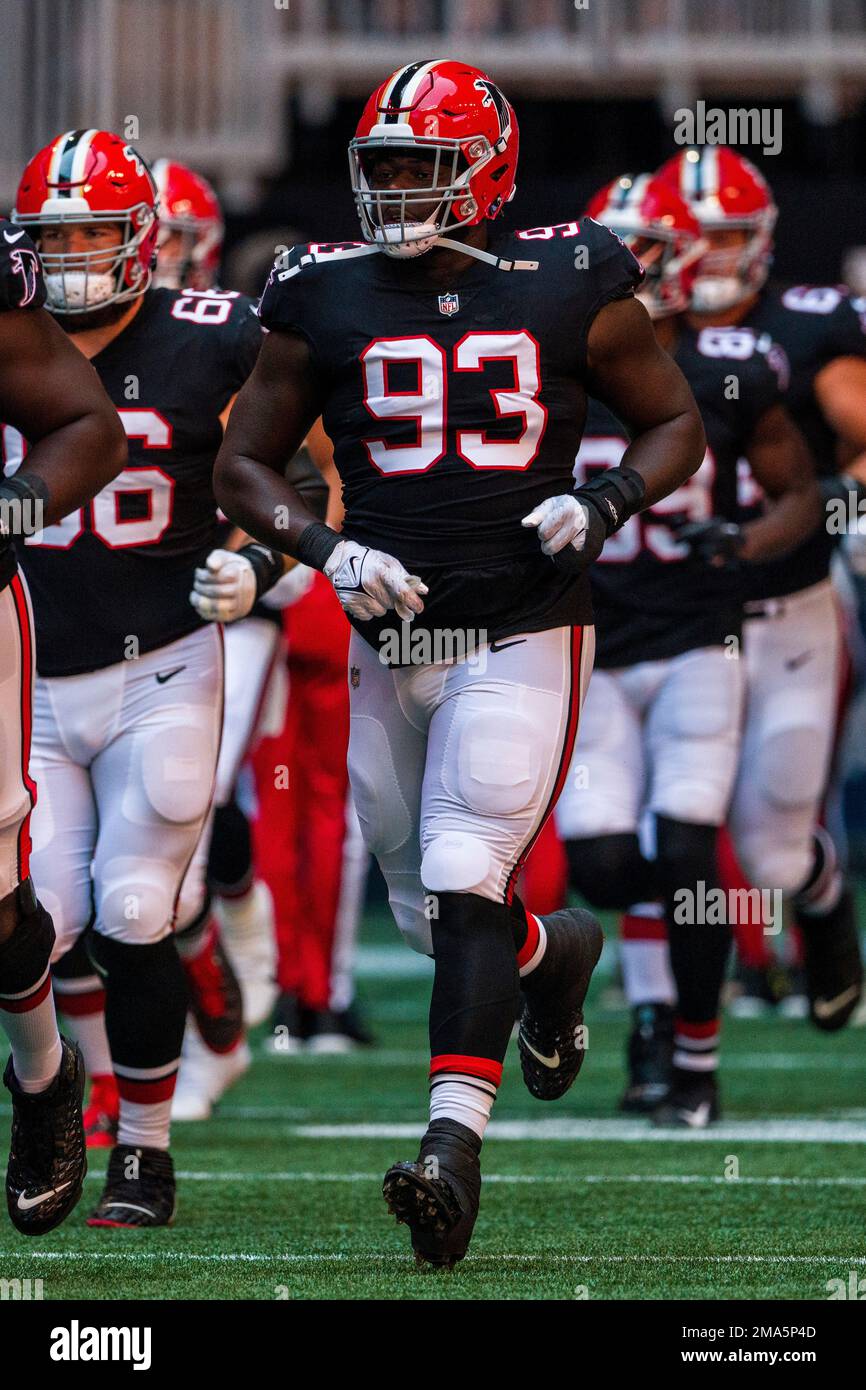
(302, 784)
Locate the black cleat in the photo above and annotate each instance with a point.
(650, 1058)
(215, 997)
(550, 1038)
(832, 964)
(437, 1196)
(757, 990)
(139, 1189)
(691, 1103)
(47, 1156)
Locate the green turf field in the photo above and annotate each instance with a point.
(279, 1197)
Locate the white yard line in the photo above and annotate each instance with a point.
(369, 1257)
(793, 1130)
(519, 1179)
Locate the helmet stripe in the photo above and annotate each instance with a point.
(79, 158)
(392, 96)
(66, 160)
(58, 150)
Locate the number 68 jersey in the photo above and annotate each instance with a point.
(652, 598)
(112, 580)
(455, 408)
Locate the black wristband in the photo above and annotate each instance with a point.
(30, 494)
(315, 545)
(617, 494)
(267, 565)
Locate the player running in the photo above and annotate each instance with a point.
(658, 745)
(77, 446)
(451, 362)
(128, 703)
(792, 633)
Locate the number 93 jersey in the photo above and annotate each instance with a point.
(112, 580)
(455, 408)
(652, 598)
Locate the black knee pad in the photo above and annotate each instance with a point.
(145, 999)
(230, 861)
(24, 956)
(476, 987)
(76, 964)
(610, 871)
(685, 855)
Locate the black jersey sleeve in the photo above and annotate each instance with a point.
(246, 343)
(22, 285)
(285, 302)
(846, 330)
(615, 272)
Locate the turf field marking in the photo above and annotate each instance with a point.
(335, 1257)
(396, 1057)
(529, 1180)
(793, 1130)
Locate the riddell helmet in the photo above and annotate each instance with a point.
(91, 176)
(454, 114)
(188, 205)
(657, 227)
(725, 191)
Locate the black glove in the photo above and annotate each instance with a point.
(717, 542)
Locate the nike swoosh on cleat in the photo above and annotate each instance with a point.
(551, 1062)
(128, 1206)
(12, 239)
(25, 1203)
(825, 1008)
(697, 1118)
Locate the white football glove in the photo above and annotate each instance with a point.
(561, 521)
(225, 589)
(369, 582)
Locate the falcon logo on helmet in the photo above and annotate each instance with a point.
(452, 116)
(90, 176)
(660, 231)
(190, 228)
(726, 193)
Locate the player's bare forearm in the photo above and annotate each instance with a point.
(271, 417)
(644, 387)
(782, 465)
(51, 393)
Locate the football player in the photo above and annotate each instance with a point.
(792, 633)
(190, 237)
(77, 447)
(660, 729)
(128, 703)
(451, 361)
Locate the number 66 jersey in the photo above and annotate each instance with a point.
(113, 579)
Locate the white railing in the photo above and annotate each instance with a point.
(206, 80)
(188, 78)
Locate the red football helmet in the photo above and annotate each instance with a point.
(456, 116)
(726, 193)
(657, 227)
(189, 207)
(91, 176)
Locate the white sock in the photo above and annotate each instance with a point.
(33, 1035)
(468, 1100)
(645, 957)
(144, 1126)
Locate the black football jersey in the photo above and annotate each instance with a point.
(456, 409)
(814, 324)
(21, 287)
(652, 598)
(114, 578)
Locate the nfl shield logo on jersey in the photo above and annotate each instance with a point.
(355, 676)
(448, 304)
